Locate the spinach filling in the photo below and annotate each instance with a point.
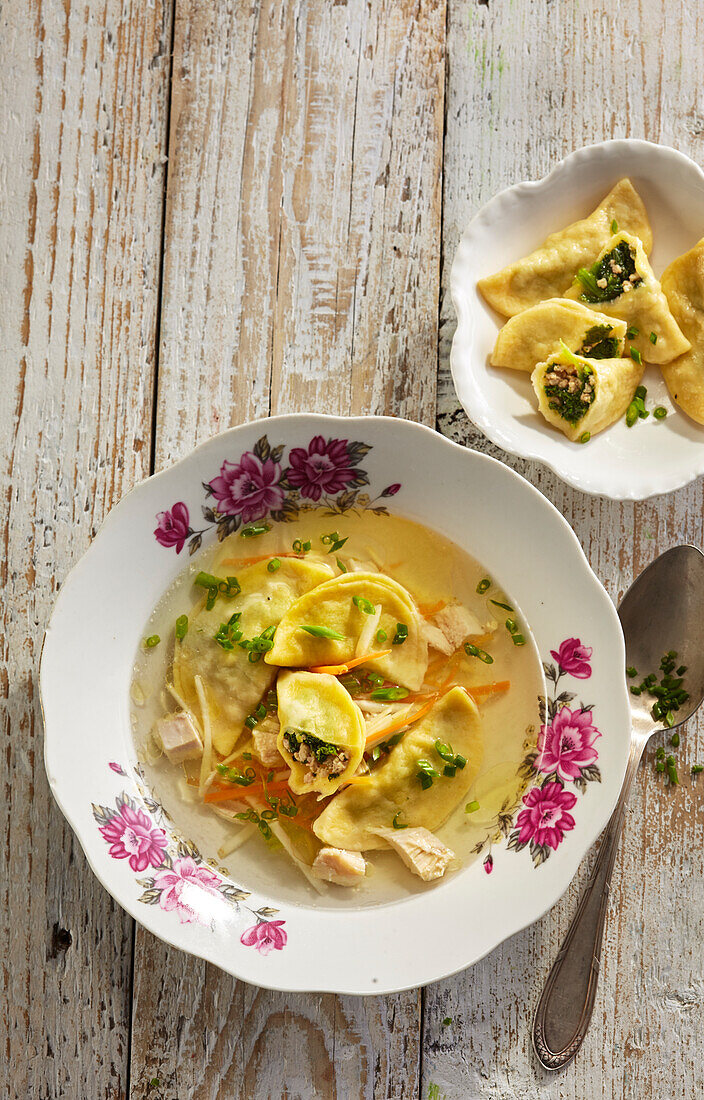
(318, 756)
(598, 343)
(570, 391)
(605, 280)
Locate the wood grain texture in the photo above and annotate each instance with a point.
(568, 66)
(82, 133)
(301, 273)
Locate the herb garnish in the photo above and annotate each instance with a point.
(637, 410)
(660, 412)
(217, 586)
(252, 719)
(471, 807)
(334, 541)
(635, 355)
(381, 636)
(396, 823)
(234, 775)
(614, 227)
(152, 641)
(323, 632)
(426, 774)
(301, 547)
(401, 634)
(259, 645)
(229, 632)
(389, 694)
(274, 565)
(632, 332)
(585, 437)
(474, 651)
(341, 566)
(601, 283)
(364, 605)
(181, 627)
(483, 586)
(254, 529)
(669, 693)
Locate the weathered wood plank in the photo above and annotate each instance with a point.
(567, 65)
(82, 133)
(302, 236)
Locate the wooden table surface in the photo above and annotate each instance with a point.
(213, 210)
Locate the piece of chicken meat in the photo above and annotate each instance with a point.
(339, 866)
(420, 850)
(178, 737)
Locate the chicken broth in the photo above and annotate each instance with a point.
(355, 685)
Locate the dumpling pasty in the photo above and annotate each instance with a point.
(233, 684)
(621, 284)
(683, 284)
(579, 395)
(322, 733)
(547, 272)
(535, 334)
(395, 786)
(336, 613)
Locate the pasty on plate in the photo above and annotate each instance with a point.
(683, 285)
(579, 395)
(621, 284)
(547, 272)
(537, 333)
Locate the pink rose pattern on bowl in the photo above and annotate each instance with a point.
(183, 883)
(259, 486)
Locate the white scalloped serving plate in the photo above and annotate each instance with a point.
(89, 651)
(622, 463)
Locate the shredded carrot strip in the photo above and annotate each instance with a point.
(488, 689)
(259, 557)
(338, 670)
(233, 790)
(400, 723)
(427, 609)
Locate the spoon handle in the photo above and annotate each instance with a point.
(565, 1007)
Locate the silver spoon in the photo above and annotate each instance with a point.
(662, 610)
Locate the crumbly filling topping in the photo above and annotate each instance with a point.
(320, 758)
(569, 392)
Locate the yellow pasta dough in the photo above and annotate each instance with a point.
(316, 715)
(535, 334)
(549, 271)
(603, 387)
(623, 275)
(349, 819)
(683, 285)
(233, 684)
(336, 613)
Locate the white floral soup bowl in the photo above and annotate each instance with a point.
(268, 469)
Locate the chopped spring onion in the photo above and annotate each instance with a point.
(323, 632)
(675, 740)
(512, 626)
(672, 770)
(341, 566)
(401, 634)
(471, 807)
(229, 632)
(426, 774)
(697, 769)
(474, 651)
(631, 332)
(388, 694)
(208, 580)
(364, 605)
(301, 547)
(614, 226)
(152, 641)
(504, 606)
(396, 823)
(483, 586)
(631, 671)
(381, 635)
(254, 529)
(518, 639)
(635, 355)
(660, 412)
(653, 337)
(274, 565)
(585, 437)
(337, 545)
(181, 627)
